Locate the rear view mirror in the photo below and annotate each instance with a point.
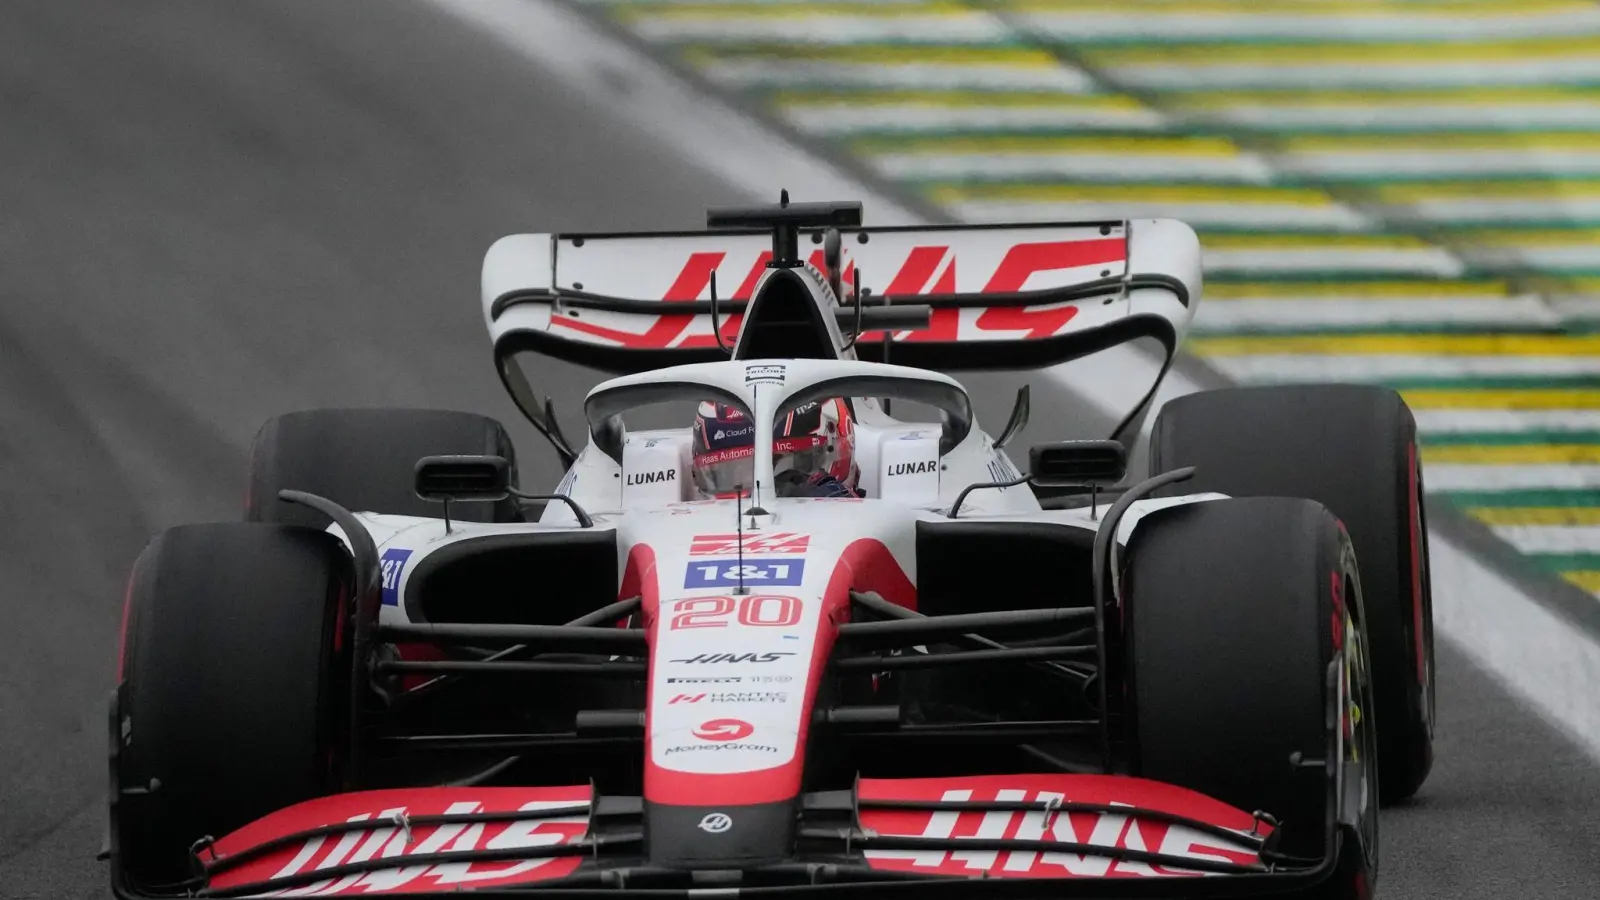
(1078, 463)
(463, 478)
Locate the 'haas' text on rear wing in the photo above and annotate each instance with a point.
(997, 297)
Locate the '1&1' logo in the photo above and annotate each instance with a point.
(390, 567)
(788, 573)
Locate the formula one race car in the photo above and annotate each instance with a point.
(688, 671)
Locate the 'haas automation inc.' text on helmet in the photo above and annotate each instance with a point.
(812, 450)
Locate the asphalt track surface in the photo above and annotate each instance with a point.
(214, 212)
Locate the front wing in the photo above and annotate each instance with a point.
(1104, 835)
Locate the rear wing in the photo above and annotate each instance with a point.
(997, 297)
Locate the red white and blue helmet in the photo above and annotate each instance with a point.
(818, 437)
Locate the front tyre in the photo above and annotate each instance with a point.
(1243, 642)
(1352, 448)
(233, 674)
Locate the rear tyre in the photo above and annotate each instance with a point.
(1352, 448)
(1233, 611)
(233, 678)
(365, 460)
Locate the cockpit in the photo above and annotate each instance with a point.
(769, 429)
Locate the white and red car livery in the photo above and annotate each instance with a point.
(735, 621)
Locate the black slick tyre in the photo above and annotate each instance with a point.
(233, 685)
(1233, 614)
(365, 460)
(1353, 449)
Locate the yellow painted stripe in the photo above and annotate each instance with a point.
(1587, 579)
(1403, 344)
(1267, 242)
(1355, 290)
(1556, 398)
(1511, 141)
(958, 99)
(1183, 193)
(1487, 190)
(1536, 515)
(1354, 52)
(807, 10)
(878, 54)
(1451, 96)
(1513, 454)
(1168, 146)
(1443, 8)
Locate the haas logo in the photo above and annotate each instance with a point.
(997, 264)
(724, 730)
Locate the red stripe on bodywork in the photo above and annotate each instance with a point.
(917, 270)
(661, 334)
(865, 565)
(393, 837)
(1110, 828)
(1039, 323)
(639, 578)
(1024, 260)
(694, 277)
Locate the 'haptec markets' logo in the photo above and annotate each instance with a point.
(733, 697)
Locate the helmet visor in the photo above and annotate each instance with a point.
(723, 472)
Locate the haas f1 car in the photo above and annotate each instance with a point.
(404, 673)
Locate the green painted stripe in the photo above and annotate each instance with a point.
(1511, 438)
(1352, 281)
(1441, 326)
(1404, 87)
(1573, 498)
(1257, 133)
(1020, 49)
(1385, 138)
(1465, 139)
(1466, 233)
(1448, 228)
(1277, 179)
(1564, 562)
(1311, 279)
(1542, 187)
(1222, 43)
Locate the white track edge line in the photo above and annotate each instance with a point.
(1525, 645)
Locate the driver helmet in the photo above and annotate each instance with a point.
(813, 450)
